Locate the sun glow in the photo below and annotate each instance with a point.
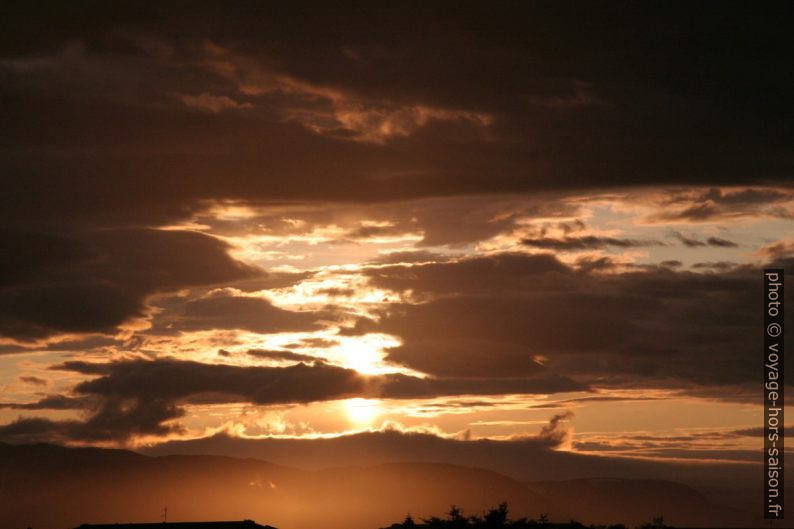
(365, 353)
(362, 412)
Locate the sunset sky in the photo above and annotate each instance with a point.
(515, 221)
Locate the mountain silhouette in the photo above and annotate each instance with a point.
(524, 460)
(46, 486)
(596, 500)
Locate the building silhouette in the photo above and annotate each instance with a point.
(244, 524)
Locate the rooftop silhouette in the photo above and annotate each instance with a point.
(244, 524)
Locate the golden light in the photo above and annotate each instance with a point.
(366, 354)
(362, 412)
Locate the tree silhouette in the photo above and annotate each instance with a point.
(456, 518)
(497, 518)
(656, 523)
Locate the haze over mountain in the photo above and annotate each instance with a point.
(522, 459)
(81, 485)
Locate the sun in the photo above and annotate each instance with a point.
(365, 353)
(362, 412)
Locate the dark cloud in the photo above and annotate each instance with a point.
(288, 356)
(172, 380)
(222, 311)
(337, 292)
(510, 331)
(720, 266)
(320, 343)
(405, 387)
(652, 327)
(85, 343)
(717, 242)
(157, 112)
(588, 264)
(109, 419)
(30, 253)
(453, 221)
(589, 242)
(556, 431)
(440, 221)
(745, 196)
(272, 280)
(759, 432)
(136, 397)
(35, 381)
(418, 256)
(39, 430)
(99, 282)
(592, 398)
(463, 357)
(501, 272)
(52, 402)
(373, 232)
(715, 204)
(688, 241)
(721, 243)
(779, 250)
(144, 397)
